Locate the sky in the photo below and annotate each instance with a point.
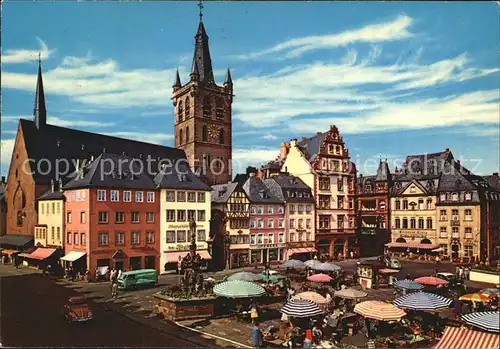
(395, 78)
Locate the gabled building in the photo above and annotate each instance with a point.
(299, 214)
(373, 203)
(230, 202)
(50, 230)
(323, 163)
(3, 208)
(183, 198)
(267, 222)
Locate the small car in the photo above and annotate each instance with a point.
(451, 278)
(77, 310)
(393, 263)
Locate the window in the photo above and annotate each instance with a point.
(442, 197)
(454, 215)
(253, 239)
(429, 204)
(58, 207)
(204, 133)
(82, 217)
(171, 196)
(308, 223)
(119, 217)
(405, 204)
(139, 196)
(324, 222)
(58, 233)
(53, 233)
(455, 233)
(127, 196)
(405, 223)
(221, 136)
(281, 238)
(114, 195)
(468, 214)
(444, 249)
(340, 184)
(270, 223)
(291, 209)
(252, 223)
(420, 223)
(200, 235)
(397, 223)
(454, 196)
(468, 196)
(270, 238)
(420, 204)
(292, 223)
(270, 209)
(135, 217)
(136, 238)
(170, 215)
(260, 223)
(301, 236)
(68, 238)
(75, 238)
(170, 236)
(102, 239)
(340, 202)
(260, 209)
(340, 222)
(442, 215)
(301, 223)
(201, 197)
(413, 223)
(468, 233)
(119, 238)
(429, 223)
(181, 196)
(68, 217)
(181, 215)
(53, 208)
(150, 217)
(151, 196)
(381, 204)
(150, 237)
(324, 201)
(181, 137)
(102, 217)
(324, 183)
(181, 236)
(101, 195)
(191, 215)
(201, 216)
(398, 205)
(443, 232)
(42, 206)
(191, 196)
(83, 241)
(253, 210)
(281, 209)
(292, 237)
(468, 251)
(260, 238)
(308, 208)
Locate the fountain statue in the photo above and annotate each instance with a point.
(192, 279)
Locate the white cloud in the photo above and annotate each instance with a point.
(396, 29)
(244, 157)
(23, 56)
(57, 121)
(158, 138)
(6, 147)
(269, 137)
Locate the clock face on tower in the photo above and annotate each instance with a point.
(213, 132)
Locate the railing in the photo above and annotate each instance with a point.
(455, 223)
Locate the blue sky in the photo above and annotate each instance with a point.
(396, 78)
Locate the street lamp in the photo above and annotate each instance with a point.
(227, 249)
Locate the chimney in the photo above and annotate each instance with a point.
(3, 179)
(284, 149)
(52, 185)
(60, 185)
(251, 174)
(447, 150)
(494, 174)
(293, 142)
(458, 162)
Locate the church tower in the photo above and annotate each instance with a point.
(202, 112)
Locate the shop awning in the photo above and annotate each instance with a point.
(9, 252)
(461, 337)
(205, 255)
(15, 240)
(388, 271)
(293, 251)
(73, 256)
(408, 245)
(174, 257)
(41, 253)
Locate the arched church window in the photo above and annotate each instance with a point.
(221, 135)
(187, 134)
(180, 111)
(204, 133)
(187, 107)
(181, 138)
(207, 107)
(219, 109)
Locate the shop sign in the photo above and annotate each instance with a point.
(178, 226)
(259, 246)
(300, 244)
(411, 234)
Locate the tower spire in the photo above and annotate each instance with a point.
(228, 81)
(200, 5)
(40, 111)
(177, 82)
(201, 56)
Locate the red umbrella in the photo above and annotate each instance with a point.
(431, 281)
(319, 278)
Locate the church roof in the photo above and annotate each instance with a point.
(201, 59)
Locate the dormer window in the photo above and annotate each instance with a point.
(183, 177)
(82, 147)
(368, 187)
(331, 148)
(222, 192)
(468, 196)
(412, 189)
(454, 196)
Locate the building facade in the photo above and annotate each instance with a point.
(323, 163)
(267, 222)
(299, 214)
(49, 232)
(373, 204)
(203, 112)
(232, 202)
(3, 207)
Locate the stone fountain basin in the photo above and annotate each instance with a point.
(176, 309)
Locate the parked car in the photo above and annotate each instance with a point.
(451, 278)
(77, 310)
(393, 263)
(138, 278)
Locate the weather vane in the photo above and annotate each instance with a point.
(200, 5)
(39, 57)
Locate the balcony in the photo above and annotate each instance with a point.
(455, 223)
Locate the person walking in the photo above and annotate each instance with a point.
(256, 335)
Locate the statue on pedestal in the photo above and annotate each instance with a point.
(190, 264)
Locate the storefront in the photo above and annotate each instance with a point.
(76, 260)
(266, 253)
(239, 258)
(42, 257)
(12, 245)
(300, 250)
(173, 260)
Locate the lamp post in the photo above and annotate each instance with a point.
(227, 249)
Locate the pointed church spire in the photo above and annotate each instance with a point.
(40, 111)
(201, 56)
(195, 72)
(177, 82)
(228, 81)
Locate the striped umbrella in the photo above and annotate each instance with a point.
(422, 301)
(431, 281)
(292, 263)
(311, 262)
(490, 291)
(320, 278)
(326, 267)
(408, 285)
(378, 310)
(238, 289)
(485, 320)
(301, 308)
(350, 293)
(271, 278)
(244, 276)
(311, 296)
(476, 297)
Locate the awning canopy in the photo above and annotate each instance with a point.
(409, 245)
(15, 240)
(174, 257)
(461, 337)
(42, 253)
(388, 271)
(293, 251)
(73, 256)
(9, 252)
